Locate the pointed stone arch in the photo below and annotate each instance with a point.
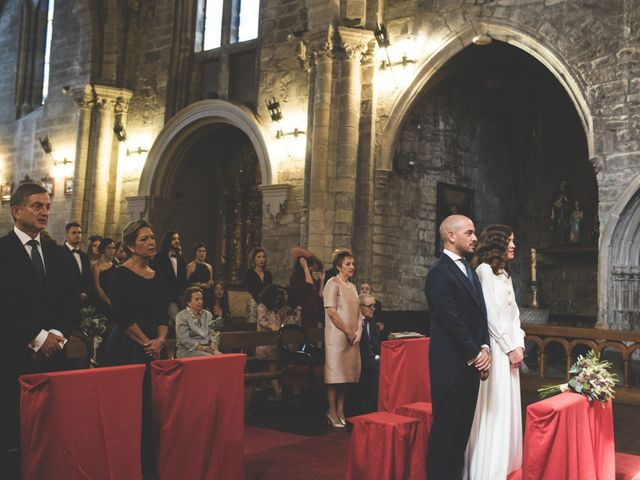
(455, 43)
(619, 263)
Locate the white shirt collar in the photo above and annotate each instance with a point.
(453, 256)
(24, 238)
(71, 248)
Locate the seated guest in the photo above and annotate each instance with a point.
(304, 289)
(273, 312)
(200, 274)
(220, 306)
(365, 288)
(92, 248)
(369, 355)
(102, 271)
(256, 278)
(79, 260)
(194, 334)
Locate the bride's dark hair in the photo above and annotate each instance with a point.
(492, 248)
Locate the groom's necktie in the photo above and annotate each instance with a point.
(470, 276)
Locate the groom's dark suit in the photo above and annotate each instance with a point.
(458, 329)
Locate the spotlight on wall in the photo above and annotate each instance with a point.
(121, 136)
(382, 37)
(273, 106)
(45, 143)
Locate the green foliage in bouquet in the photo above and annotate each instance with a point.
(591, 378)
(216, 324)
(92, 324)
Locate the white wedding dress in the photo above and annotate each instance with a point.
(495, 443)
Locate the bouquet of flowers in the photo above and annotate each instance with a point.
(94, 327)
(216, 323)
(92, 324)
(591, 378)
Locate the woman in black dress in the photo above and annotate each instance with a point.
(101, 271)
(200, 274)
(139, 308)
(220, 306)
(305, 290)
(255, 279)
(138, 300)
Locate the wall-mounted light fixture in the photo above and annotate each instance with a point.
(121, 136)
(45, 143)
(382, 39)
(273, 106)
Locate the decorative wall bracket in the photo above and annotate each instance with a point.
(274, 200)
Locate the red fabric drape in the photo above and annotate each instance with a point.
(404, 373)
(568, 437)
(82, 424)
(198, 417)
(421, 411)
(627, 467)
(384, 446)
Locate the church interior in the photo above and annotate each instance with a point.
(357, 124)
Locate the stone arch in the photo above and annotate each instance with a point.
(176, 135)
(455, 43)
(618, 269)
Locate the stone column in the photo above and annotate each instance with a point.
(103, 161)
(320, 218)
(84, 99)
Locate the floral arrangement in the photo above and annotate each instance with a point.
(591, 378)
(92, 324)
(216, 323)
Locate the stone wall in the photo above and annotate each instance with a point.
(20, 151)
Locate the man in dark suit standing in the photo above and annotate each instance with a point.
(170, 263)
(39, 301)
(369, 355)
(79, 260)
(459, 353)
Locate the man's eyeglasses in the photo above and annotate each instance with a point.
(373, 305)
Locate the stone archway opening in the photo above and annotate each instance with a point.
(493, 132)
(210, 194)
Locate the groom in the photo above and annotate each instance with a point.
(459, 353)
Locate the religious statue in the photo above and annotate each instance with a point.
(575, 223)
(560, 214)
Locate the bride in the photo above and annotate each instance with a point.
(495, 444)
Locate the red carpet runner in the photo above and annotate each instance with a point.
(317, 458)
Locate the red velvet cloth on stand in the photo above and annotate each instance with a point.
(198, 417)
(568, 437)
(404, 373)
(627, 467)
(383, 446)
(422, 411)
(82, 424)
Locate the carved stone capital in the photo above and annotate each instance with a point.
(353, 41)
(83, 97)
(274, 200)
(383, 177)
(112, 98)
(138, 207)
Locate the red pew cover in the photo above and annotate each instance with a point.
(404, 373)
(82, 424)
(198, 417)
(569, 437)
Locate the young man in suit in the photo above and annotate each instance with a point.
(39, 299)
(171, 265)
(459, 353)
(79, 260)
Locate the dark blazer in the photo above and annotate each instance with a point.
(84, 280)
(29, 305)
(175, 285)
(458, 324)
(369, 345)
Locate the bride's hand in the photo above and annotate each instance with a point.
(515, 357)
